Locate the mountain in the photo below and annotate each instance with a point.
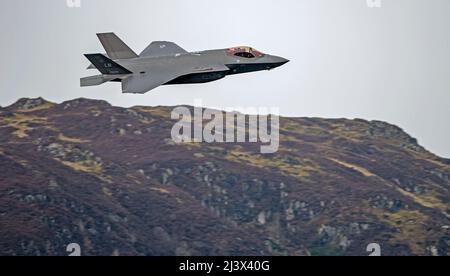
(112, 180)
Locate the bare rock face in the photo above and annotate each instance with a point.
(112, 180)
(32, 103)
(25, 104)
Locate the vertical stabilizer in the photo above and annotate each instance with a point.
(115, 47)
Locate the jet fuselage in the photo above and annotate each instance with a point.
(200, 61)
(164, 62)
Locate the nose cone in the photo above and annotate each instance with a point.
(275, 61)
(281, 61)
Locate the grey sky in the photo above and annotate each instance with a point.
(347, 60)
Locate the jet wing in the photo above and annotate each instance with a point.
(162, 48)
(142, 83)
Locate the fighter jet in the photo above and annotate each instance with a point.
(164, 63)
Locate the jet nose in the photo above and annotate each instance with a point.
(282, 61)
(277, 61)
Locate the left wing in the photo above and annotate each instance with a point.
(157, 76)
(140, 84)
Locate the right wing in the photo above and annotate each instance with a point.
(162, 48)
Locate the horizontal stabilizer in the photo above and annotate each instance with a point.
(100, 79)
(92, 81)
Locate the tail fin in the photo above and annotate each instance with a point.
(106, 66)
(115, 47)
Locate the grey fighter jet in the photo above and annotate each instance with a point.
(164, 63)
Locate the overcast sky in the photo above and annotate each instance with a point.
(347, 60)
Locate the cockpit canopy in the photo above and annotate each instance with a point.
(245, 52)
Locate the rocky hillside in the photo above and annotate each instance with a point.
(112, 180)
